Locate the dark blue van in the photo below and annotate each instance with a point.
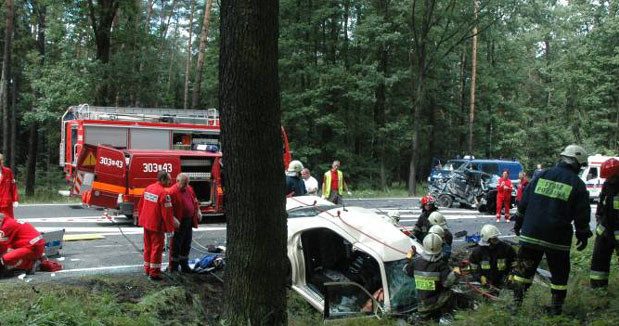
(495, 167)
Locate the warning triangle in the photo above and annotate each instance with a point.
(90, 160)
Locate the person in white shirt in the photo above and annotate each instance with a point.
(311, 184)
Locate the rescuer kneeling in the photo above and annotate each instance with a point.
(492, 260)
(21, 245)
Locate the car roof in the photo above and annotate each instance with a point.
(299, 201)
(365, 226)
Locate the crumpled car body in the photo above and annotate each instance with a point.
(349, 261)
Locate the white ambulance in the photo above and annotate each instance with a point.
(591, 174)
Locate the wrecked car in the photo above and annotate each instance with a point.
(348, 261)
(463, 186)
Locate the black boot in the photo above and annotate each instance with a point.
(556, 306)
(185, 267)
(173, 267)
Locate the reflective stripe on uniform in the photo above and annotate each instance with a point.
(151, 197)
(500, 264)
(522, 279)
(153, 265)
(617, 235)
(616, 202)
(434, 276)
(595, 275)
(553, 189)
(543, 243)
(35, 240)
(600, 229)
(485, 264)
(558, 287)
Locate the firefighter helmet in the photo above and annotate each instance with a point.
(488, 232)
(432, 243)
(610, 168)
(437, 229)
(437, 218)
(577, 153)
(295, 166)
(427, 200)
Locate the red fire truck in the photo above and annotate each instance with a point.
(190, 138)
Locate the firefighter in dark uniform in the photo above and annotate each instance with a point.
(607, 230)
(492, 260)
(433, 279)
(554, 199)
(421, 228)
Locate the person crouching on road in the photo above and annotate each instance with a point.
(446, 250)
(9, 198)
(26, 243)
(156, 216)
(492, 260)
(187, 211)
(433, 279)
(504, 196)
(607, 230)
(428, 206)
(554, 200)
(294, 184)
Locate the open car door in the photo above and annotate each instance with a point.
(110, 177)
(349, 300)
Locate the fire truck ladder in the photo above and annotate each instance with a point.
(209, 117)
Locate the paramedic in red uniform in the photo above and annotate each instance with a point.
(155, 215)
(503, 196)
(26, 244)
(187, 211)
(8, 190)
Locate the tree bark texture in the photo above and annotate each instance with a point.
(197, 85)
(33, 133)
(256, 269)
(473, 77)
(4, 80)
(188, 63)
(101, 19)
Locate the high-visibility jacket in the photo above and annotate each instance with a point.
(177, 203)
(552, 201)
(155, 209)
(15, 235)
(327, 183)
(8, 188)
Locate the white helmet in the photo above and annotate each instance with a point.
(432, 244)
(437, 229)
(577, 153)
(394, 216)
(295, 166)
(488, 232)
(437, 218)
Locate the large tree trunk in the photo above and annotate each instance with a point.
(188, 63)
(256, 269)
(31, 162)
(101, 18)
(14, 151)
(197, 87)
(381, 99)
(4, 80)
(473, 76)
(461, 116)
(419, 103)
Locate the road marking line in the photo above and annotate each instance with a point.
(108, 230)
(57, 204)
(103, 268)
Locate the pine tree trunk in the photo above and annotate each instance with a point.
(256, 269)
(188, 64)
(4, 80)
(197, 87)
(14, 147)
(473, 76)
(102, 18)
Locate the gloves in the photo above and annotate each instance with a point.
(349, 193)
(176, 223)
(483, 280)
(457, 270)
(15, 204)
(582, 239)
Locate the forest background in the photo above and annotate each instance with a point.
(385, 86)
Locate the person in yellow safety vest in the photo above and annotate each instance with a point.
(334, 185)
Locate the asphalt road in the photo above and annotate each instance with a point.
(118, 251)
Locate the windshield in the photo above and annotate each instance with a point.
(402, 292)
(452, 165)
